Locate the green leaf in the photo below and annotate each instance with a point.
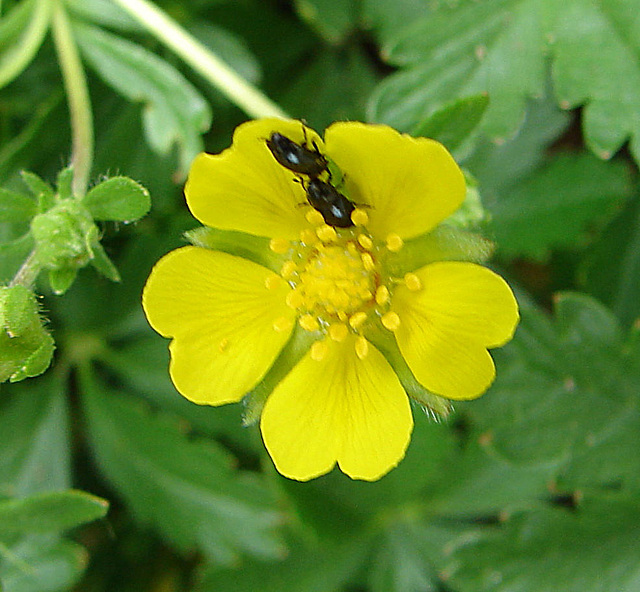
(49, 512)
(40, 189)
(594, 548)
(21, 34)
(187, 488)
(103, 264)
(106, 13)
(503, 47)
(118, 198)
(174, 111)
(333, 19)
(15, 207)
(453, 123)
(560, 205)
(34, 448)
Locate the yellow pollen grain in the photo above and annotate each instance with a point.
(314, 218)
(382, 295)
(359, 217)
(412, 281)
(394, 243)
(279, 245)
(319, 351)
(282, 324)
(288, 269)
(308, 236)
(368, 262)
(362, 347)
(326, 233)
(294, 299)
(309, 322)
(391, 321)
(365, 242)
(338, 332)
(356, 320)
(352, 249)
(223, 345)
(273, 282)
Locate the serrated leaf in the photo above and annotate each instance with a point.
(503, 47)
(49, 512)
(15, 207)
(186, 488)
(34, 448)
(118, 198)
(594, 548)
(175, 113)
(452, 124)
(560, 205)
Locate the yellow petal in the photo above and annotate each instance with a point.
(221, 315)
(245, 189)
(340, 409)
(446, 326)
(410, 184)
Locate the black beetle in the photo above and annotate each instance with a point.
(296, 157)
(334, 206)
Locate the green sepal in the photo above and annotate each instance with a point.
(118, 198)
(40, 189)
(15, 207)
(103, 264)
(61, 279)
(436, 406)
(253, 248)
(297, 346)
(471, 214)
(26, 347)
(444, 243)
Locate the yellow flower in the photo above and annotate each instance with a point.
(328, 328)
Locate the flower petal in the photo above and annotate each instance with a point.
(445, 328)
(411, 184)
(221, 315)
(244, 188)
(341, 409)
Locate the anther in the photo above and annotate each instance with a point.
(357, 319)
(294, 299)
(308, 236)
(394, 242)
(279, 245)
(338, 331)
(362, 347)
(326, 233)
(382, 295)
(412, 281)
(368, 262)
(391, 321)
(308, 322)
(319, 350)
(359, 217)
(365, 242)
(288, 269)
(282, 324)
(314, 218)
(273, 282)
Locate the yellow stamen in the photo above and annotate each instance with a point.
(308, 236)
(279, 245)
(288, 269)
(357, 319)
(309, 322)
(326, 233)
(223, 345)
(314, 218)
(338, 331)
(282, 324)
(362, 347)
(412, 281)
(382, 295)
(359, 217)
(391, 321)
(394, 243)
(368, 262)
(365, 242)
(273, 282)
(294, 299)
(319, 350)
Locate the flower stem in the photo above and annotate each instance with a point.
(201, 59)
(28, 272)
(75, 84)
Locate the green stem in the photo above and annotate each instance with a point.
(75, 84)
(201, 59)
(28, 272)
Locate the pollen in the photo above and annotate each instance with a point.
(309, 322)
(273, 282)
(391, 321)
(308, 236)
(413, 282)
(365, 242)
(359, 217)
(288, 269)
(338, 332)
(368, 262)
(282, 324)
(327, 234)
(394, 242)
(279, 245)
(314, 218)
(362, 347)
(319, 351)
(382, 295)
(356, 320)
(294, 299)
